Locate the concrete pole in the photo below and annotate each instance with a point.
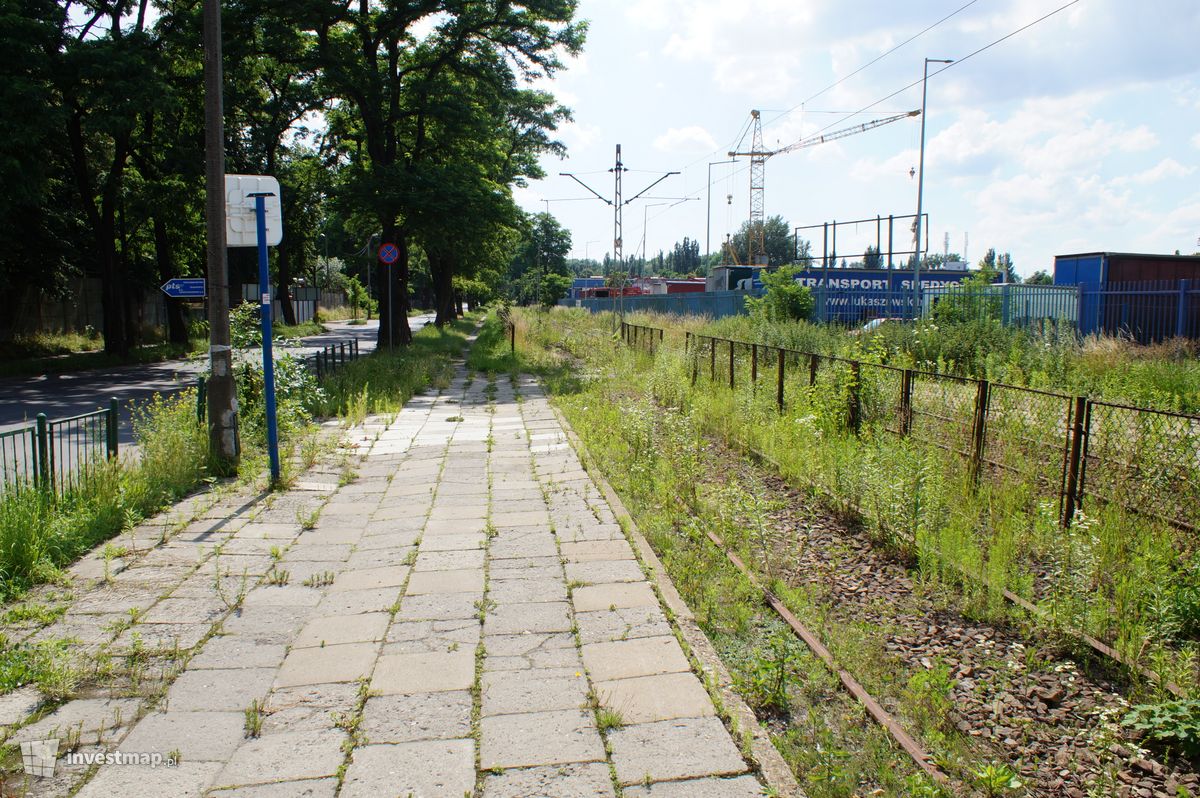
(223, 439)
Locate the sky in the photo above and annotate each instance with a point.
(1080, 134)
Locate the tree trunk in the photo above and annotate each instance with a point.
(443, 289)
(177, 332)
(284, 264)
(393, 314)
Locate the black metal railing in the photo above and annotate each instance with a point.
(58, 455)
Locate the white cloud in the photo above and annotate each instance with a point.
(686, 140)
(1196, 141)
(1163, 170)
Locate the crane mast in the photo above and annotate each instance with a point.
(758, 154)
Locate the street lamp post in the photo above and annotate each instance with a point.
(921, 186)
(708, 202)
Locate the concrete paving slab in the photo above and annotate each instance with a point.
(624, 659)
(673, 749)
(449, 560)
(351, 602)
(615, 596)
(219, 689)
(236, 651)
(310, 788)
(590, 780)
(197, 736)
(186, 780)
(432, 672)
(313, 707)
(510, 591)
(283, 756)
(332, 630)
(628, 623)
(736, 787)
(597, 572)
(666, 696)
(348, 662)
(467, 580)
(508, 692)
(419, 716)
(427, 769)
(508, 619)
(440, 607)
(539, 738)
(370, 578)
(411, 637)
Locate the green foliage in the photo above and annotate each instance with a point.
(554, 287)
(784, 299)
(778, 240)
(38, 536)
(764, 684)
(357, 296)
(245, 327)
(996, 780)
(1172, 724)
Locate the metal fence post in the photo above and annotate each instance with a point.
(1181, 311)
(854, 414)
(979, 430)
(906, 402)
(779, 381)
(731, 365)
(1075, 458)
(753, 364)
(43, 452)
(342, 352)
(111, 428)
(813, 362)
(512, 337)
(712, 359)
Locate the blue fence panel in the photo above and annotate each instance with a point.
(716, 304)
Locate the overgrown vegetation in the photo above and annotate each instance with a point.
(1123, 578)
(38, 536)
(1165, 376)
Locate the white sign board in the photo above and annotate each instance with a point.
(241, 228)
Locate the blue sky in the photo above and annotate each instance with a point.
(1080, 134)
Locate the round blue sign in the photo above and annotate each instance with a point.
(389, 254)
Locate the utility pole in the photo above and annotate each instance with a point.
(222, 407)
(921, 188)
(618, 204)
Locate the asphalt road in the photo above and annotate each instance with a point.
(63, 395)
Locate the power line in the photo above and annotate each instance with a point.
(956, 62)
(741, 135)
(876, 60)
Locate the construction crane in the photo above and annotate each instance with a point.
(756, 245)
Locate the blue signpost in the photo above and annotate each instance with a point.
(388, 255)
(185, 288)
(264, 286)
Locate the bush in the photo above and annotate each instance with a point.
(784, 300)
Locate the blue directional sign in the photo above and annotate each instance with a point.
(185, 288)
(389, 254)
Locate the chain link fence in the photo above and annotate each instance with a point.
(1081, 452)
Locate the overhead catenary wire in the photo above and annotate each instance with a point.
(873, 61)
(955, 63)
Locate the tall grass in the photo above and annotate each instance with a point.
(39, 536)
(1124, 578)
(383, 381)
(1164, 376)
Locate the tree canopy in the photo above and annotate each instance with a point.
(401, 122)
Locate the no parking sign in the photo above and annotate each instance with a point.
(389, 254)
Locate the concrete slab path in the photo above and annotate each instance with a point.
(466, 618)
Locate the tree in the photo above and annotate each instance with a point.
(871, 258)
(784, 298)
(777, 238)
(994, 266)
(1040, 277)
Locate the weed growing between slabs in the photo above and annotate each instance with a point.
(1120, 578)
(39, 536)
